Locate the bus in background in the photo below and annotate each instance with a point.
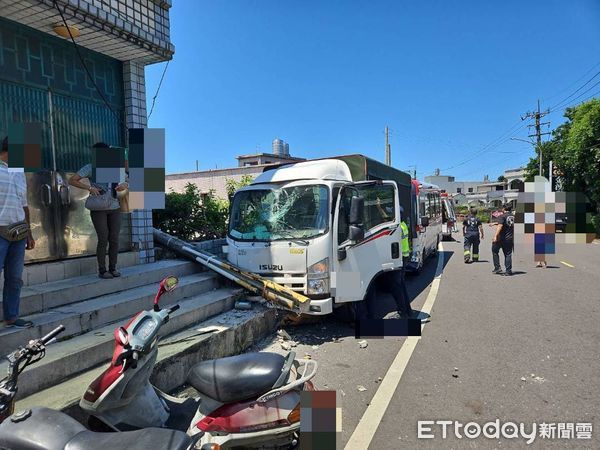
(426, 219)
(448, 217)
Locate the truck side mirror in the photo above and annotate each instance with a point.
(356, 233)
(425, 221)
(357, 205)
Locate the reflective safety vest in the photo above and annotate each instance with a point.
(404, 237)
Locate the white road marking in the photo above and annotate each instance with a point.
(567, 264)
(369, 422)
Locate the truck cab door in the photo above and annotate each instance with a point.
(360, 255)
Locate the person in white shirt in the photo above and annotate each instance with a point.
(15, 238)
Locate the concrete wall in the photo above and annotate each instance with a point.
(210, 179)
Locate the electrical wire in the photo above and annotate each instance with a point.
(545, 100)
(158, 89)
(558, 105)
(85, 67)
(491, 146)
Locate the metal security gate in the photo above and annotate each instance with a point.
(70, 126)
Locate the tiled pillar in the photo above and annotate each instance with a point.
(135, 110)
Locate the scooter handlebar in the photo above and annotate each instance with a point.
(59, 329)
(173, 309)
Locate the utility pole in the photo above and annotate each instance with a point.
(537, 115)
(388, 150)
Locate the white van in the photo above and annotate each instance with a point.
(326, 228)
(426, 223)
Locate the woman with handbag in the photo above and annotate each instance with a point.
(105, 211)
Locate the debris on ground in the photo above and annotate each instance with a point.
(456, 369)
(523, 379)
(243, 304)
(293, 343)
(284, 334)
(343, 393)
(539, 379)
(361, 388)
(307, 356)
(314, 347)
(286, 346)
(337, 340)
(363, 344)
(455, 375)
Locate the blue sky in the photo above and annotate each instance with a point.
(448, 78)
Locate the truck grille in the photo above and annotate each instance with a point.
(294, 281)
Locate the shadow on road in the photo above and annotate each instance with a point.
(331, 327)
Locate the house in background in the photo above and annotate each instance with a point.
(215, 180)
(43, 79)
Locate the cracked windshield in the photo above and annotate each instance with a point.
(270, 214)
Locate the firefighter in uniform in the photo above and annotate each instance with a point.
(472, 229)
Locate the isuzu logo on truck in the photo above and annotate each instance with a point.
(270, 267)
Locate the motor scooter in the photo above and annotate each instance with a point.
(250, 400)
(47, 429)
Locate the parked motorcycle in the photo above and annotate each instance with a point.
(250, 400)
(47, 429)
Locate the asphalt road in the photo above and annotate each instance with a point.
(521, 349)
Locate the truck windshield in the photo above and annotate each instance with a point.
(296, 212)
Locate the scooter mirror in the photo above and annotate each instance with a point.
(122, 336)
(170, 283)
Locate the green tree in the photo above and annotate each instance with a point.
(501, 178)
(575, 151)
(232, 185)
(189, 215)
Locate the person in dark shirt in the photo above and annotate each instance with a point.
(504, 239)
(472, 228)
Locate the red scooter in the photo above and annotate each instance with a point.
(46, 429)
(250, 400)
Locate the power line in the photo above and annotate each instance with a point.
(85, 67)
(491, 146)
(545, 100)
(552, 108)
(570, 103)
(158, 89)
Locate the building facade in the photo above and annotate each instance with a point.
(80, 94)
(216, 180)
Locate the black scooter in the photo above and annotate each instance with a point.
(46, 429)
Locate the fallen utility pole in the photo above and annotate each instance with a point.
(270, 291)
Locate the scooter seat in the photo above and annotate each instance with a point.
(158, 438)
(44, 428)
(236, 378)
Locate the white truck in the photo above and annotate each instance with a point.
(326, 228)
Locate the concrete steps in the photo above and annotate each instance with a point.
(71, 357)
(96, 312)
(45, 296)
(226, 334)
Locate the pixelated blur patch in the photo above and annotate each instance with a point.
(146, 156)
(25, 146)
(380, 328)
(320, 420)
(108, 165)
(552, 218)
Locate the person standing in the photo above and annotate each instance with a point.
(15, 238)
(107, 222)
(472, 229)
(504, 239)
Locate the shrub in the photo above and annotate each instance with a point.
(192, 216)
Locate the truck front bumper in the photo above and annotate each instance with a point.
(320, 307)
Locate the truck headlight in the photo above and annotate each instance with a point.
(318, 278)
